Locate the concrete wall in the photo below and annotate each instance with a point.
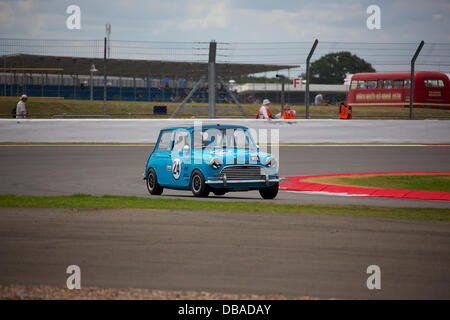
(299, 131)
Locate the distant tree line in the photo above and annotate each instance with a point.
(331, 68)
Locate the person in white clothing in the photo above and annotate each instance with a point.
(318, 99)
(264, 111)
(21, 109)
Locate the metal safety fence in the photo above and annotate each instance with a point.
(167, 72)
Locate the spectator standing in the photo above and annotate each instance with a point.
(21, 109)
(345, 112)
(264, 111)
(288, 113)
(318, 100)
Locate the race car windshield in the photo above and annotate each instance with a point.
(215, 138)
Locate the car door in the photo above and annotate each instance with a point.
(180, 159)
(162, 157)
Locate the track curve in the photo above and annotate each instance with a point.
(117, 170)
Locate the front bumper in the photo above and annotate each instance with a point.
(224, 181)
(243, 175)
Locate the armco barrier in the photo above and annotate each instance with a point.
(294, 131)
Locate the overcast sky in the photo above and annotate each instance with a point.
(229, 20)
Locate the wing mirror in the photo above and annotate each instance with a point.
(186, 149)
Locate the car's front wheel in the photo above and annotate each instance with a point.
(198, 186)
(152, 183)
(269, 192)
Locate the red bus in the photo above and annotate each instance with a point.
(392, 89)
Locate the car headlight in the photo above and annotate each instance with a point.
(271, 161)
(254, 158)
(216, 163)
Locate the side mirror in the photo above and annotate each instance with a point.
(186, 149)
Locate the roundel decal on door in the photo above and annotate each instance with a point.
(176, 168)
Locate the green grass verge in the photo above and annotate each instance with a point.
(422, 182)
(88, 201)
(45, 107)
(407, 182)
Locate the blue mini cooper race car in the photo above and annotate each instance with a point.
(216, 159)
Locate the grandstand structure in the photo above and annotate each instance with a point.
(127, 79)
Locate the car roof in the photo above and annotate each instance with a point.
(207, 127)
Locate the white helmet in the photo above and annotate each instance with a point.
(24, 96)
(266, 101)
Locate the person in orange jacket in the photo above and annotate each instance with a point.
(345, 112)
(264, 111)
(288, 113)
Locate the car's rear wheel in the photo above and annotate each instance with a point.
(152, 183)
(219, 192)
(198, 186)
(269, 192)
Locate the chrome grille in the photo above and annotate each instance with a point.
(243, 172)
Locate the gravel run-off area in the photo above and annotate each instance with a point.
(20, 292)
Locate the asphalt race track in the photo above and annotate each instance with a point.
(232, 252)
(117, 170)
(259, 253)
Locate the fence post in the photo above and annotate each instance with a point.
(282, 92)
(134, 87)
(411, 94)
(120, 88)
(212, 79)
(59, 84)
(149, 88)
(42, 84)
(74, 83)
(104, 78)
(24, 83)
(4, 83)
(307, 78)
